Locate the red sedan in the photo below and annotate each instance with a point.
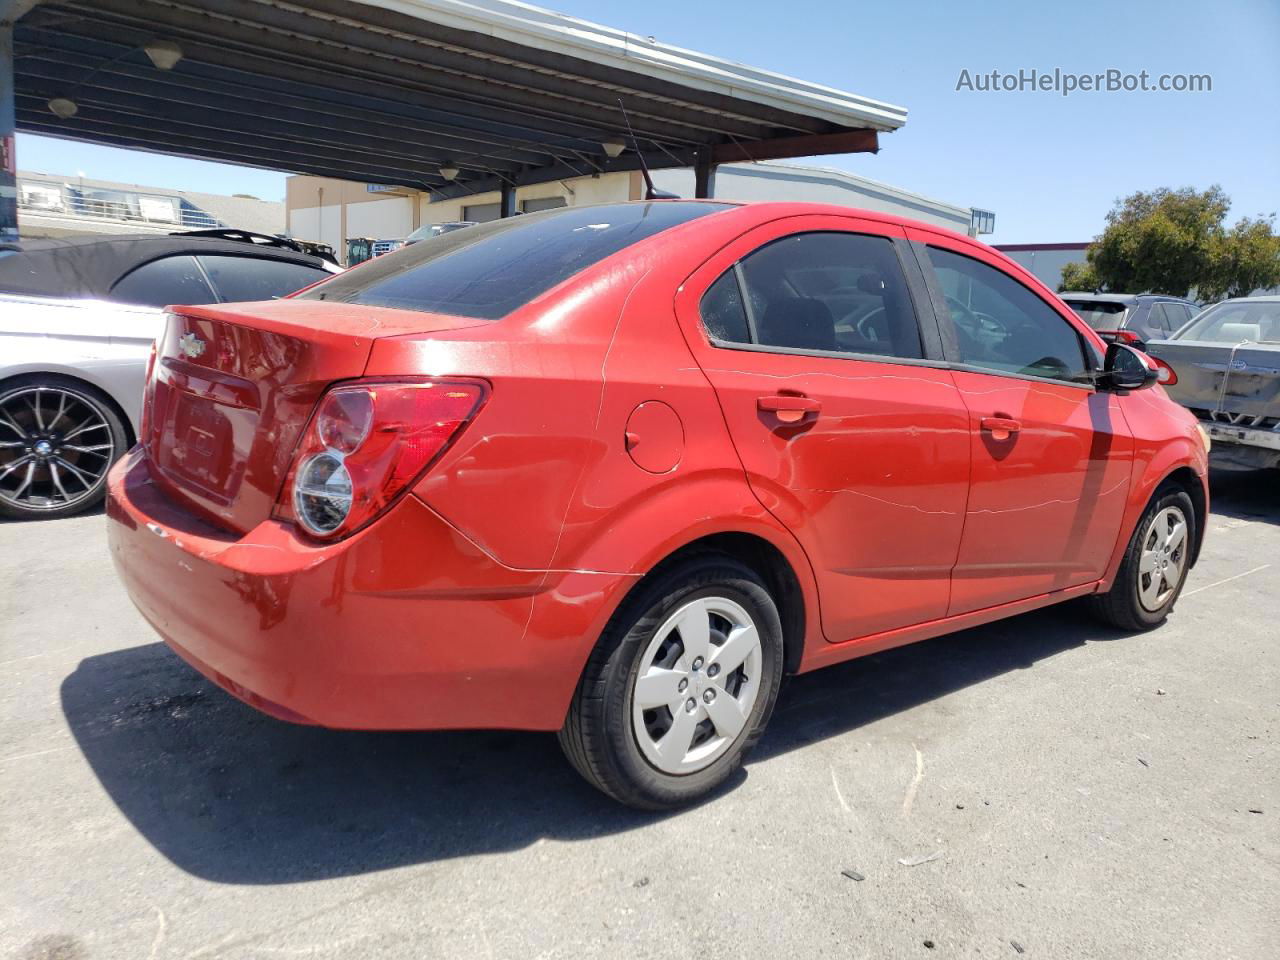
(614, 470)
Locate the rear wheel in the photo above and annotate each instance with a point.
(1155, 565)
(680, 686)
(58, 438)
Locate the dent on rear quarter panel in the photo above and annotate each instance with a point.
(508, 479)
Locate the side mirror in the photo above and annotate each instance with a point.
(1126, 369)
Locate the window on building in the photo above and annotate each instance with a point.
(482, 212)
(543, 203)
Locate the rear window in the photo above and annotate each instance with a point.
(1099, 314)
(489, 270)
(1257, 321)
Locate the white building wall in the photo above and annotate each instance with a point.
(794, 183)
(608, 188)
(388, 219)
(319, 224)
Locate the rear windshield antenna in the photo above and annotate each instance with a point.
(651, 192)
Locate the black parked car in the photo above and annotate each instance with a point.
(207, 266)
(1131, 318)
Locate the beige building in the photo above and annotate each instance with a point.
(331, 211)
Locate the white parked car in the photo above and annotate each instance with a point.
(77, 320)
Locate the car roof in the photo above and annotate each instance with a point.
(89, 266)
(1129, 298)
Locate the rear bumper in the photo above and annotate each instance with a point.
(1226, 433)
(1243, 446)
(406, 625)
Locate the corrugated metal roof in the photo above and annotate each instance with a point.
(391, 91)
(527, 25)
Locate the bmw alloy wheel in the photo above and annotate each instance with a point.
(56, 445)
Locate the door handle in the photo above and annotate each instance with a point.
(788, 408)
(1000, 428)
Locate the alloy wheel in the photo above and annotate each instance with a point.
(1162, 559)
(55, 448)
(696, 685)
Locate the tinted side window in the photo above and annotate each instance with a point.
(240, 279)
(162, 282)
(842, 292)
(722, 311)
(1001, 325)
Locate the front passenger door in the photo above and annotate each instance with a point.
(1051, 454)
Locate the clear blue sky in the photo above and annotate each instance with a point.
(1049, 166)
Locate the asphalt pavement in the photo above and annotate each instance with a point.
(1043, 786)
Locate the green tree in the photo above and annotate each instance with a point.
(1079, 277)
(1173, 242)
(1245, 259)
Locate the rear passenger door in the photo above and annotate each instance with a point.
(1051, 454)
(850, 432)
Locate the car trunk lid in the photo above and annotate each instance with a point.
(1235, 383)
(234, 386)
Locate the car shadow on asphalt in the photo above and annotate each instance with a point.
(234, 796)
(1245, 494)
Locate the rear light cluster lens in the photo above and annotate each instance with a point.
(1124, 336)
(366, 444)
(1164, 373)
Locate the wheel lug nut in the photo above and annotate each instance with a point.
(708, 695)
(697, 663)
(690, 705)
(683, 686)
(713, 670)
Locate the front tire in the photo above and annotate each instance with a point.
(680, 686)
(1155, 565)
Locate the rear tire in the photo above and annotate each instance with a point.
(1155, 564)
(58, 439)
(680, 686)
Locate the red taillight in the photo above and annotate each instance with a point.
(1124, 336)
(1165, 374)
(366, 444)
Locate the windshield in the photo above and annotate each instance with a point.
(489, 270)
(1100, 314)
(1235, 321)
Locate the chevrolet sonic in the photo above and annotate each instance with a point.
(613, 471)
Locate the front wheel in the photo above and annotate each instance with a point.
(680, 686)
(1155, 565)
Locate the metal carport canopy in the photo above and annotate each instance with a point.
(390, 91)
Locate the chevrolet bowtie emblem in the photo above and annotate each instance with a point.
(191, 345)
